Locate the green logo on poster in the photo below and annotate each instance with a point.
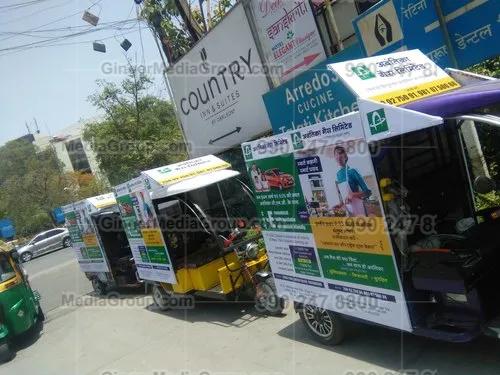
(377, 121)
(164, 170)
(247, 152)
(363, 72)
(297, 141)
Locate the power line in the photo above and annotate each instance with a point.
(22, 5)
(52, 22)
(61, 37)
(36, 13)
(61, 44)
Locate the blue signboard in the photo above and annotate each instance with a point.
(58, 215)
(473, 27)
(7, 230)
(313, 96)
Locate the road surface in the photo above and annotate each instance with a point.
(54, 274)
(127, 335)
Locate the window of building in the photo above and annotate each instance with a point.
(77, 156)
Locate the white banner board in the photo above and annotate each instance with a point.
(84, 242)
(289, 37)
(323, 221)
(143, 232)
(218, 88)
(395, 78)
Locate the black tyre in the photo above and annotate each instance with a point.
(99, 287)
(324, 325)
(41, 315)
(266, 298)
(6, 352)
(161, 297)
(67, 242)
(26, 256)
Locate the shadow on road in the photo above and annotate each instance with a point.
(221, 313)
(396, 350)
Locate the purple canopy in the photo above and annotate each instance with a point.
(461, 101)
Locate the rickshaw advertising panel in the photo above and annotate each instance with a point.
(143, 232)
(83, 237)
(323, 222)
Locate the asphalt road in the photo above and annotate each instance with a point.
(128, 335)
(55, 274)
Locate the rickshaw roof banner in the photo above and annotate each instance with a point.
(173, 173)
(102, 201)
(395, 78)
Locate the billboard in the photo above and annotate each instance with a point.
(473, 27)
(316, 95)
(218, 87)
(288, 35)
(323, 221)
(88, 251)
(143, 231)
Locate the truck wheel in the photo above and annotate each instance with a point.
(325, 326)
(6, 352)
(161, 297)
(99, 287)
(26, 257)
(266, 298)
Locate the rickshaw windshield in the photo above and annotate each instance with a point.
(7, 272)
(481, 147)
(223, 203)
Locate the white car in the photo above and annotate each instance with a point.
(44, 242)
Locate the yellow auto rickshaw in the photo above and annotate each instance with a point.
(192, 232)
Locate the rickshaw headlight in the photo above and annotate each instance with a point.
(251, 250)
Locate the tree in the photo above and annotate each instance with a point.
(179, 26)
(138, 131)
(488, 68)
(34, 187)
(33, 183)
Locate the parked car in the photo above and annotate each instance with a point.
(44, 242)
(277, 179)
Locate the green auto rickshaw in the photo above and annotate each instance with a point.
(20, 310)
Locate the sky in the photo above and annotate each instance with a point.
(52, 84)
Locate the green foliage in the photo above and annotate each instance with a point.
(138, 131)
(33, 187)
(163, 15)
(488, 68)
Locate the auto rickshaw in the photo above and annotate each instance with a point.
(117, 268)
(204, 215)
(441, 190)
(20, 309)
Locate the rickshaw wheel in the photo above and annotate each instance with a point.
(324, 325)
(99, 287)
(6, 353)
(160, 297)
(266, 298)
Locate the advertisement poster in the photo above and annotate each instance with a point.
(288, 35)
(314, 96)
(396, 78)
(143, 232)
(218, 86)
(323, 221)
(83, 237)
(183, 170)
(395, 25)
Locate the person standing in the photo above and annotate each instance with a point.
(351, 185)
